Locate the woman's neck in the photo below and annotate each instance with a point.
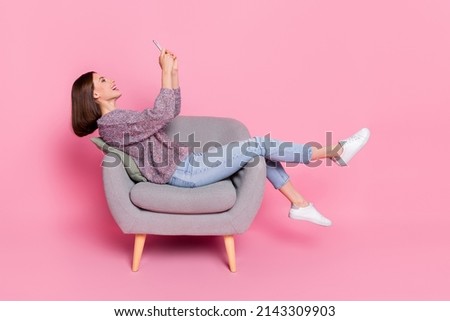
(107, 106)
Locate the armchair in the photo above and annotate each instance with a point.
(224, 208)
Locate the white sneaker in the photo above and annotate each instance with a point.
(310, 214)
(351, 146)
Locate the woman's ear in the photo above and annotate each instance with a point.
(96, 95)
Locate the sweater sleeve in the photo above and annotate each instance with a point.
(177, 93)
(130, 127)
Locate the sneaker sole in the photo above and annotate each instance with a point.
(292, 216)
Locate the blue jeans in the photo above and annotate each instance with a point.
(204, 168)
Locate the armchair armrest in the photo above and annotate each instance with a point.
(117, 185)
(250, 184)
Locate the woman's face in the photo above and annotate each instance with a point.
(105, 89)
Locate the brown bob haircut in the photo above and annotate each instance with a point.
(85, 110)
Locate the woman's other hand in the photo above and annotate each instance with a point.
(175, 62)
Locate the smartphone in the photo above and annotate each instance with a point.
(157, 45)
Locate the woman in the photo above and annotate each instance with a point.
(162, 161)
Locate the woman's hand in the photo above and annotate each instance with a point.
(169, 65)
(166, 61)
(175, 65)
(175, 82)
(175, 60)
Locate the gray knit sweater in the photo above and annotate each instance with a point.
(141, 135)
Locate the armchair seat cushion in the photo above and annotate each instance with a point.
(164, 198)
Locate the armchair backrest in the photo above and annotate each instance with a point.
(204, 129)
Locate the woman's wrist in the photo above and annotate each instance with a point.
(166, 79)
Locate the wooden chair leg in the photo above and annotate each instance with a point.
(139, 241)
(229, 246)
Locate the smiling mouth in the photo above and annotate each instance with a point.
(114, 88)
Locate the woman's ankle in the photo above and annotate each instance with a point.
(335, 150)
(298, 204)
(340, 149)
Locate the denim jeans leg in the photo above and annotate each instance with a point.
(276, 174)
(215, 165)
(284, 151)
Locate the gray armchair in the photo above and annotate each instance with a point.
(224, 208)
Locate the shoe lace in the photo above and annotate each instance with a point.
(354, 138)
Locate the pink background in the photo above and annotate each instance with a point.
(295, 69)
